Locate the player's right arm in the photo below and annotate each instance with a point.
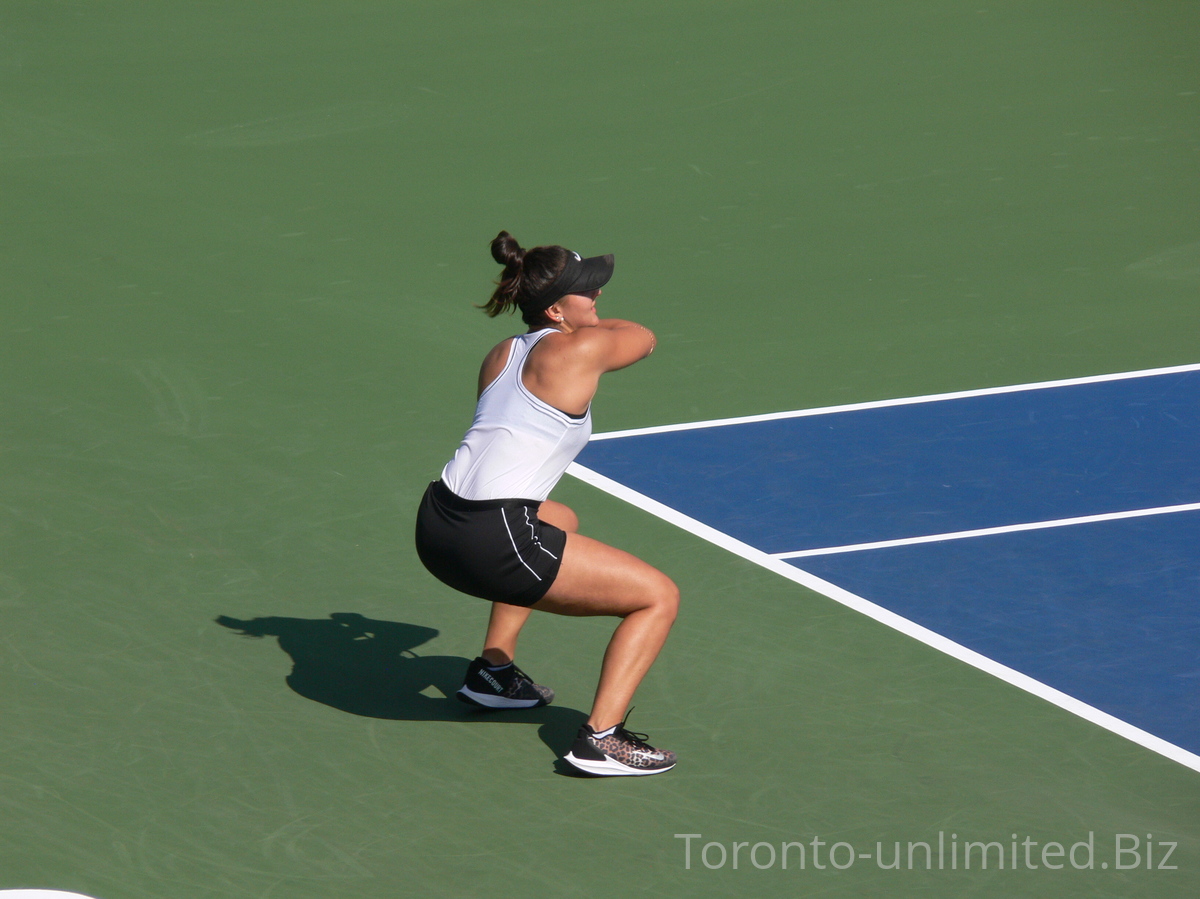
(616, 343)
(564, 369)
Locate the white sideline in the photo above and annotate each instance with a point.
(987, 532)
(777, 563)
(903, 401)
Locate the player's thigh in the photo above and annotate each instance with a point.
(560, 516)
(598, 579)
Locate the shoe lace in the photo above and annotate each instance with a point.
(638, 740)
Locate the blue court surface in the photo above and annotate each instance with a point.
(1046, 533)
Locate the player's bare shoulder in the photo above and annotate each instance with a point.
(494, 362)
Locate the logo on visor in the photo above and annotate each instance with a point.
(578, 258)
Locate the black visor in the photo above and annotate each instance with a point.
(579, 275)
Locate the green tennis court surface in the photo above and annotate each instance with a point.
(241, 244)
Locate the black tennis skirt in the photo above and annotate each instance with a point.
(494, 549)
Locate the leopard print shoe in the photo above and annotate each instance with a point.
(621, 752)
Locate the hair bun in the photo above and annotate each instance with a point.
(506, 250)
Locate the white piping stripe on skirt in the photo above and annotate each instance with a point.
(504, 517)
(537, 539)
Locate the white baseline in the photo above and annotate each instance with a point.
(891, 619)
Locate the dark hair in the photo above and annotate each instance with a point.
(527, 273)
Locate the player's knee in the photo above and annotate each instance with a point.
(666, 599)
(570, 521)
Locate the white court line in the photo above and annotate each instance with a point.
(986, 532)
(891, 619)
(904, 401)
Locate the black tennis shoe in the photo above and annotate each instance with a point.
(621, 753)
(506, 688)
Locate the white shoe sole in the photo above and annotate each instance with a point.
(492, 701)
(610, 767)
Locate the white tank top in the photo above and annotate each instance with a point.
(518, 445)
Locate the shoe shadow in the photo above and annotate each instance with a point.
(367, 667)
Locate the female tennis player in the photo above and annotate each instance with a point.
(486, 526)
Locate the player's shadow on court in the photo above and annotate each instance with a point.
(367, 667)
